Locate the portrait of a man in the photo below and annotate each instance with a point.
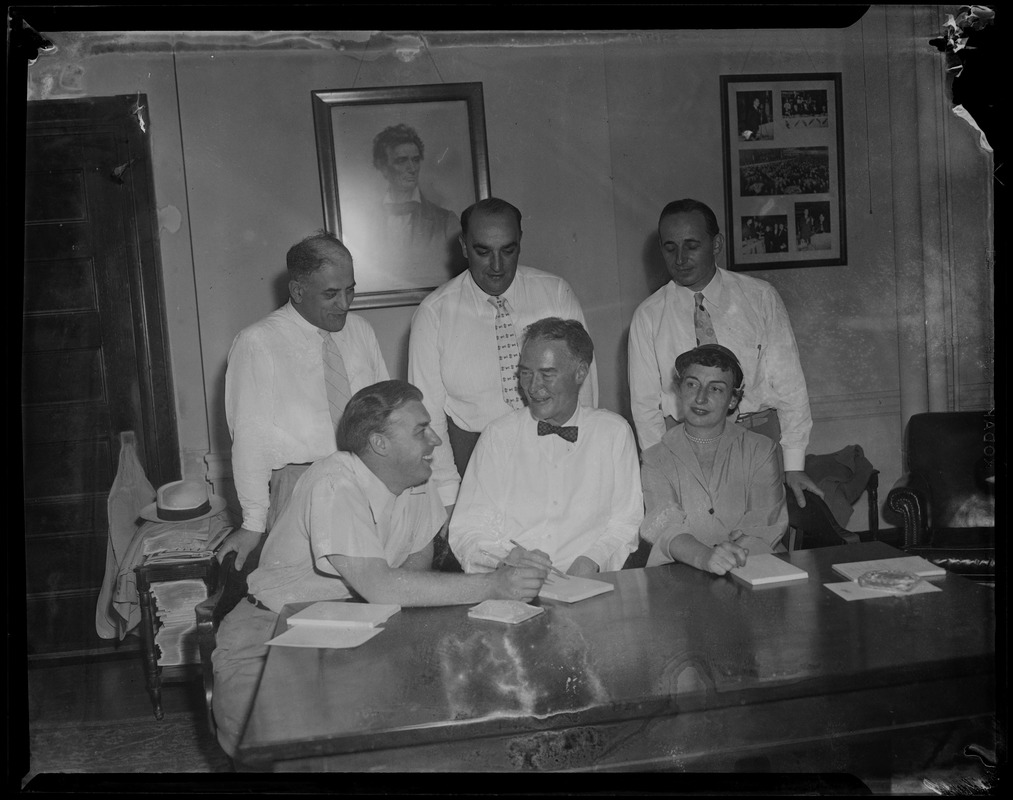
(414, 234)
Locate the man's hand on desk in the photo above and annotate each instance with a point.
(517, 583)
(799, 482)
(583, 567)
(242, 541)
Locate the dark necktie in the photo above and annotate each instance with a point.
(568, 432)
(702, 322)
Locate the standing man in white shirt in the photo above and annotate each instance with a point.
(556, 477)
(704, 304)
(463, 348)
(288, 379)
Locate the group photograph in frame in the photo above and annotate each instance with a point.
(398, 165)
(782, 139)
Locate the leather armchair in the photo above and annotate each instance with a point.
(945, 498)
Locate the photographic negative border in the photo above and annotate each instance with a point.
(796, 162)
(333, 191)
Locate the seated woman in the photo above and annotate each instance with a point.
(713, 490)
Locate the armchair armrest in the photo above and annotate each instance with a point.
(909, 498)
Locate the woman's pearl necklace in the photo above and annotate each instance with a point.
(697, 440)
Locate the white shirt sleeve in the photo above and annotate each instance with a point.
(249, 378)
(645, 382)
(784, 382)
(424, 372)
(478, 522)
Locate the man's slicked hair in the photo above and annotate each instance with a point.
(369, 411)
(688, 206)
(312, 253)
(391, 137)
(491, 205)
(568, 330)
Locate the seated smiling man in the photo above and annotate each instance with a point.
(555, 475)
(713, 490)
(362, 519)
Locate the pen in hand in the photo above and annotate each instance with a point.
(551, 568)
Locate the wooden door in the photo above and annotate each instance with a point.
(94, 358)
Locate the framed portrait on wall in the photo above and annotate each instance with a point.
(398, 165)
(784, 170)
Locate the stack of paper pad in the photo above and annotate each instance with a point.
(335, 624)
(176, 627)
(767, 569)
(571, 589)
(509, 611)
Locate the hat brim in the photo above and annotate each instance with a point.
(150, 511)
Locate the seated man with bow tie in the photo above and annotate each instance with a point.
(554, 475)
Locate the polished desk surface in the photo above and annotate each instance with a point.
(669, 640)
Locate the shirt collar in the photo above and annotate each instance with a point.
(482, 299)
(574, 419)
(711, 292)
(377, 494)
(307, 327)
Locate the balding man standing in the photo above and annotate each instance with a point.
(288, 379)
(464, 342)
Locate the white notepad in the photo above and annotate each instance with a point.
(572, 589)
(916, 565)
(766, 569)
(337, 614)
(324, 637)
(852, 590)
(509, 611)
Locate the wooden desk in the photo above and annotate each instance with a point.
(675, 669)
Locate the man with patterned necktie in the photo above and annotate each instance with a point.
(287, 381)
(463, 349)
(703, 304)
(556, 476)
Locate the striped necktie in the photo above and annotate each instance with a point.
(509, 353)
(335, 377)
(702, 322)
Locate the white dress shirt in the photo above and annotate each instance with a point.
(750, 320)
(276, 400)
(452, 354)
(339, 507)
(565, 499)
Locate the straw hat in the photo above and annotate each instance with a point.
(183, 501)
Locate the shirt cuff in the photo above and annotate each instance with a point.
(794, 460)
(448, 493)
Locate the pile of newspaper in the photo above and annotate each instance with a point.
(176, 626)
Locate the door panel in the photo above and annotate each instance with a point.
(93, 362)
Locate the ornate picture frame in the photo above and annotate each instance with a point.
(398, 165)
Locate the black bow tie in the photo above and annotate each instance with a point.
(568, 432)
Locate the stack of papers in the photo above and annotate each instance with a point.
(916, 565)
(572, 589)
(335, 625)
(176, 623)
(767, 569)
(509, 611)
(853, 570)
